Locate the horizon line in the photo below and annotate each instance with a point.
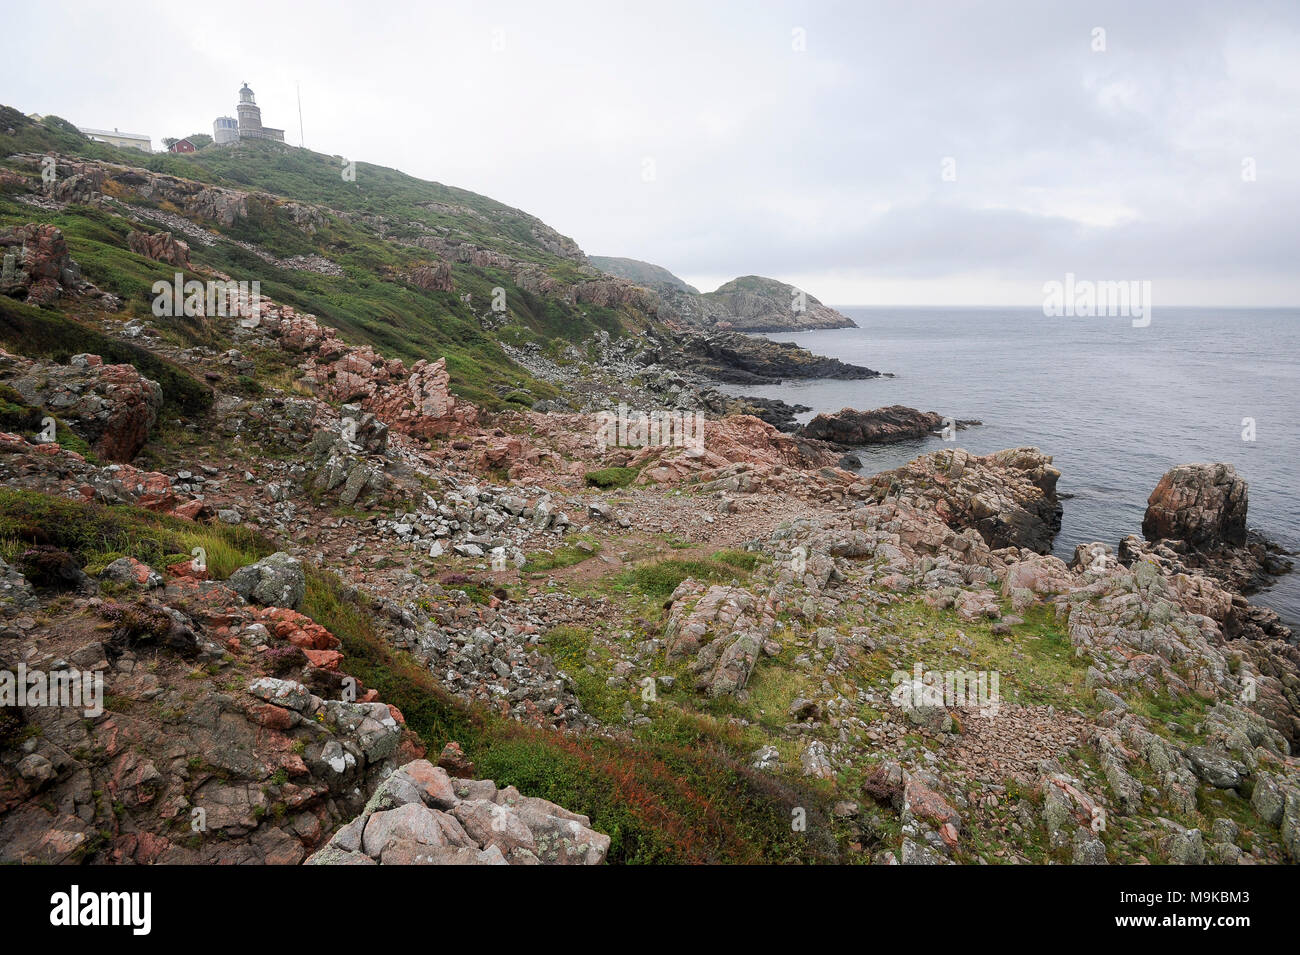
(1038, 307)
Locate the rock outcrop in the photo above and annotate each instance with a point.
(746, 360)
(1198, 512)
(112, 407)
(36, 264)
(250, 758)
(780, 414)
(420, 815)
(1203, 505)
(417, 401)
(161, 246)
(433, 278)
(1009, 497)
(1152, 628)
(423, 404)
(879, 426)
(722, 630)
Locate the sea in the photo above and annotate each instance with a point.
(1114, 404)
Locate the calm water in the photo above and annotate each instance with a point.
(1116, 406)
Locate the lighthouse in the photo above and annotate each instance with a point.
(227, 129)
(250, 115)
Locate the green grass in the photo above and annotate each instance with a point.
(573, 651)
(661, 578)
(612, 477)
(565, 555)
(1035, 662)
(1170, 713)
(99, 534)
(740, 559)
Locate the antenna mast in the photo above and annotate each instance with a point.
(301, 141)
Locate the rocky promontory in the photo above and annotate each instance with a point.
(753, 303)
(748, 360)
(750, 303)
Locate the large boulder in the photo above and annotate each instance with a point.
(274, 581)
(1203, 505)
(1196, 520)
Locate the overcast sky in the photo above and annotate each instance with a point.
(804, 141)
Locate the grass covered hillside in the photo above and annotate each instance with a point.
(349, 250)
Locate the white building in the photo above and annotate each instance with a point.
(115, 137)
(225, 129)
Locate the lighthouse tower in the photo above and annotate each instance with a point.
(227, 130)
(250, 115)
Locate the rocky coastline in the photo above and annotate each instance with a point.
(636, 620)
(962, 535)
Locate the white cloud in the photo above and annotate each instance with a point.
(822, 164)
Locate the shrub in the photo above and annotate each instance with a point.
(280, 661)
(46, 566)
(137, 622)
